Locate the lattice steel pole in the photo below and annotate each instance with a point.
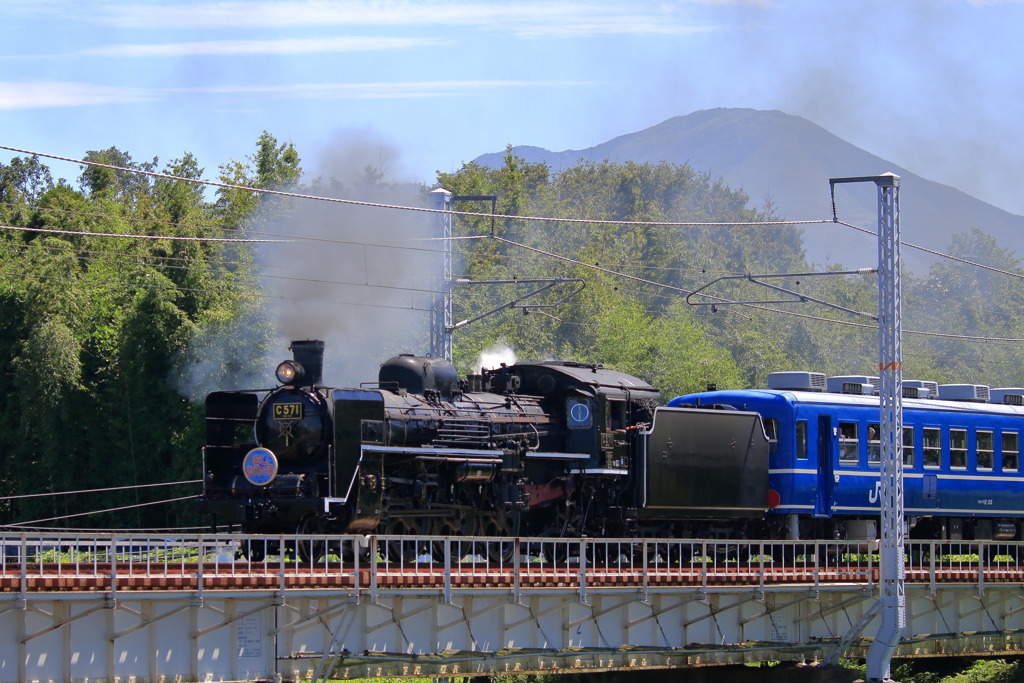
(893, 597)
(441, 309)
(892, 592)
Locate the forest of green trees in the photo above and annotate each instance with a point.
(99, 322)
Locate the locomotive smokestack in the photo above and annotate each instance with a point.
(309, 353)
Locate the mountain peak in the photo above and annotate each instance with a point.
(788, 160)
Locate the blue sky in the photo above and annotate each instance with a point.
(413, 87)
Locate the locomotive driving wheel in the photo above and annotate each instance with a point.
(503, 525)
(399, 550)
(453, 526)
(254, 549)
(309, 548)
(467, 520)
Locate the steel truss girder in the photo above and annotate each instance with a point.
(265, 633)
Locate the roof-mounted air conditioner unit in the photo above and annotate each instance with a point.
(921, 388)
(964, 392)
(796, 381)
(1012, 396)
(852, 384)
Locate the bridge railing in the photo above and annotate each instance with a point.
(77, 561)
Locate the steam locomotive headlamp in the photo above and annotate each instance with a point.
(289, 372)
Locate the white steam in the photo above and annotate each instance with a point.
(361, 278)
(494, 356)
(224, 359)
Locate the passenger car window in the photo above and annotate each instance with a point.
(801, 440)
(1011, 451)
(771, 430)
(932, 442)
(874, 445)
(958, 448)
(985, 449)
(849, 444)
(908, 446)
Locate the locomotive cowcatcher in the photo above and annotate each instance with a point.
(530, 449)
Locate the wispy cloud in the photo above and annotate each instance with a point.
(383, 89)
(763, 4)
(51, 94)
(292, 46)
(56, 94)
(520, 18)
(610, 25)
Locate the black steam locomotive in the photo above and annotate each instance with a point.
(556, 449)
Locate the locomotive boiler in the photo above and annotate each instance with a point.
(530, 449)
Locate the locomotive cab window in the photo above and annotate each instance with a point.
(801, 440)
(1011, 451)
(616, 415)
(932, 446)
(958, 449)
(985, 444)
(849, 443)
(771, 430)
(874, 445)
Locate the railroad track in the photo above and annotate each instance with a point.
(240, 575)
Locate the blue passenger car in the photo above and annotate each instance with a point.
(961, 456)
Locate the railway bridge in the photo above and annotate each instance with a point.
(78, 607)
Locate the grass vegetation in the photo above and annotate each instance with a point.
(924, 670)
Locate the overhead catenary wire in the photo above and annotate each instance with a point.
(421, 209)
(683, 290)
(142, 285)
(588, 221)
(165, 261)
(86, 281)
(290, 238)
(282, 238)
(159, 261)
(547, 254)
(51, 494)
(173, 238)
(100, 512)
(553, 256)
(937, 253)
(403, 245)
(170, 261)
(127, 219)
